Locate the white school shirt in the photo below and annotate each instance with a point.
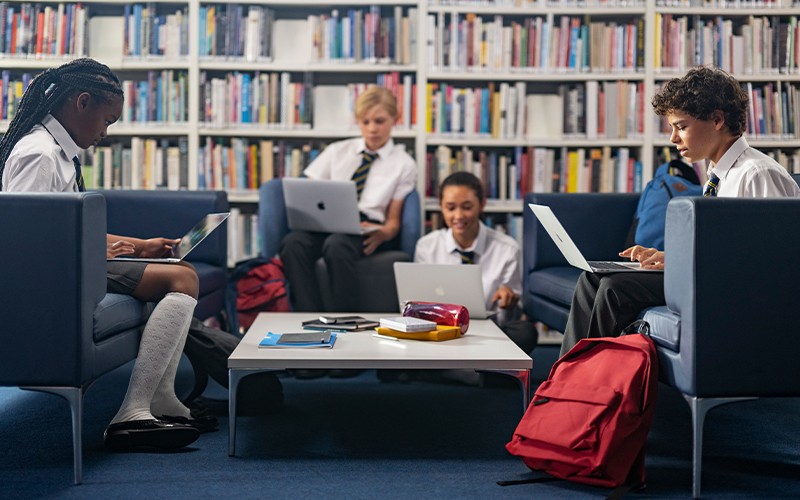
(498, 255)
(41, 161)
(745, 172)
(392, 175)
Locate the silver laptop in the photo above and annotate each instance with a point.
(448, 283)
(570, 250)
(322, 206)
(189, 242)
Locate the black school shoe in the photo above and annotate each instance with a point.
(199, 419)
(149, 434)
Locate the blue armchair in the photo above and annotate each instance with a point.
(374, 273)
(61, 330)
(724, 335)
(599, 225)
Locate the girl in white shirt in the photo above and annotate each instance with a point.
(466, 240)
(63, 111)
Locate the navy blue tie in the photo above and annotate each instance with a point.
(710, 188)
(360, 175)
(78, 174)
(466, 257)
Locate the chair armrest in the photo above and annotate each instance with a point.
(148, 214)
(53, 275)
(732, 274)
(597, 223)
(411, 223)
(272, 222)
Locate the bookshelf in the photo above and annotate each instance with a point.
(568, 83)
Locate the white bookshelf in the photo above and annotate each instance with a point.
(292, 54)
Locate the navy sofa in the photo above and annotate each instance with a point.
(727, 333)
(61, 330)
(375, 272)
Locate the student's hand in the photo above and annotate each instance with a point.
(119, 247)
(157, 247)
(649, 258)
(374, 239)
(505, 297)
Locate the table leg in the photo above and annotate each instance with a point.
(234, 376)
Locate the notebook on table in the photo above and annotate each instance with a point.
(447, 283)
(322, 206)
(570, 251)
(189, 241)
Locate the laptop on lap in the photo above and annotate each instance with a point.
(447, 283)
(322, 206)
(570, 251)
(189, 242)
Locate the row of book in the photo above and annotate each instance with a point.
(748, 45)
(272, 99)
(244, 164)
(145, 164)
(364, 35)
(259, 98)
(148, 33)
(236, 31)
(34, 29)
(537, 44)
(11, 91)
(162, 97)
(608, 109)
(509, 174)
(728, 4)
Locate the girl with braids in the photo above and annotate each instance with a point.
(62, 111)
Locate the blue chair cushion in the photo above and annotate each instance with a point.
(555, 283)
(212, 278)
(665, 327)
(118, 313)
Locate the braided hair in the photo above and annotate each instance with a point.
(48, 90)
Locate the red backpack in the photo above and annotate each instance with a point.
(255, 286)
(588, 422)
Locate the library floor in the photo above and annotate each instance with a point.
(360, 438)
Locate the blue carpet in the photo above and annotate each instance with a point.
(360, 438)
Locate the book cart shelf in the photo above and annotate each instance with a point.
(529, 94)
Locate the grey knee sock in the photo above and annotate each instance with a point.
(165, 402)
(165, 331)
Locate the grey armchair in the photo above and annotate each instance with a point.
(61, 330)
(374, 273)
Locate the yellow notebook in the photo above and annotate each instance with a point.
(442, 332)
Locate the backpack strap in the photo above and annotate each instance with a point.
(683, 170)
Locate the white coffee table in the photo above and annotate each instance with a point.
(484, 347)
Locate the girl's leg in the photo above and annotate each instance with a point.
(175, 288)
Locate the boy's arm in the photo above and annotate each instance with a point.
(389, 229)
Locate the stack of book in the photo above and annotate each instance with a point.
(298, 340)
(406, 327)
(340, 324)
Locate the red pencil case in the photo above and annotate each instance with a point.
(441, 314)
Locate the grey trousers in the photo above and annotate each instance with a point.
(604, 304)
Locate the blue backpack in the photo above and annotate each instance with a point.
(675, 178)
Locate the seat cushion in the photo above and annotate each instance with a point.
(665, 326)
(555, 283)
(118, 313)
(212, 278)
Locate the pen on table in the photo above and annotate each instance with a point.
(384, 337)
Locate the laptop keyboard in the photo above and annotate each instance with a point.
(607, 266)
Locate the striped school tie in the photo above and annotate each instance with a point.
(466, 257)
(710, 188)
(78, 174)
(360, 175)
